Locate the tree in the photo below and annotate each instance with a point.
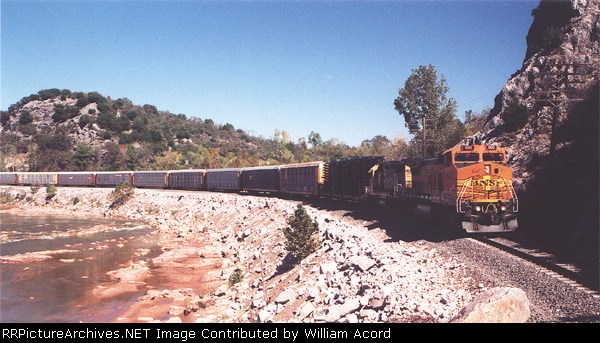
(83, 156)
(96, 97)
(4, 117)
(314, 139)
(428, 113)
(150, 109)
(378, 145)
(25, 118)
(63, 113)
(474, 122)
(398, 150)
(113, 158)
(168, 160)
(58, 142)
(301, 234)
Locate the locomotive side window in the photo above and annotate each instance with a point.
(466, 157)
(495, 156)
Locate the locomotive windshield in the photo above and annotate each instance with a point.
(466, 157)
(495, 156)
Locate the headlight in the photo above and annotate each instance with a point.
(477, 208)
(503, 208)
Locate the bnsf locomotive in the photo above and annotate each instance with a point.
(470, 184)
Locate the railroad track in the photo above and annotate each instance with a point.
(585, 279)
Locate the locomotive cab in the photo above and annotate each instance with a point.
(485, 196)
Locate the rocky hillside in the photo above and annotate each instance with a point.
(55, 130)
(63, 130)
(547, 117)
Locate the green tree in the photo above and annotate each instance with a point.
(315, 140)
(150, 109)
(113, 158)
(378, 145)
(168, 160)
(474, 122)
(515, 116)
(59, 142)
(4, 117)
(28, 130)
(25, 118)
(46, 94)
(83, 156)
(154, 136)
(429, 115)
(301, 235)
(96, 97)
(86, 119)
(63, 113)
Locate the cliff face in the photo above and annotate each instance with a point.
(547, 118)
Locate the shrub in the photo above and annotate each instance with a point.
(28, 130)
(5, 198)
(301, 235)
(35, 188)
(51, 189)
(25, 118)
(46, 94)
(554, 37)
(63, 113)
(235, 277)
(122, 193)
(4, 117)
(82, 100)
(76, 200)
(50, 192)
(515, 116)
(96, 97)
(84, 120)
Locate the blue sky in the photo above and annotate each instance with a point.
(333, 67)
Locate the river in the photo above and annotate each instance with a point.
(51, 265)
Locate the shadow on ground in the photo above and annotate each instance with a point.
(398, 225)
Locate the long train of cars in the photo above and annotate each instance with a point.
(470, 184)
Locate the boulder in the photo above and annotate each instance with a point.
(306, 310)
(497, 305)
(286, 296)
(335, 312)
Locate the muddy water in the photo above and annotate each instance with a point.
(50, 265)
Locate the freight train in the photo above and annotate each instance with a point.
(470, 184)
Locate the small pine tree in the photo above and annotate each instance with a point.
(301, 235)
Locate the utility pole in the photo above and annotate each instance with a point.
(426, 124)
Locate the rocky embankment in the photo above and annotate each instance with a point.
(358, 275)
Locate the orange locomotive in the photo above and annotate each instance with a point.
(470, 182)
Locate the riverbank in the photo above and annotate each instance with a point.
(358, 275)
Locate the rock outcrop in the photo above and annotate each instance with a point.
(547, 118)
(557, 45)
